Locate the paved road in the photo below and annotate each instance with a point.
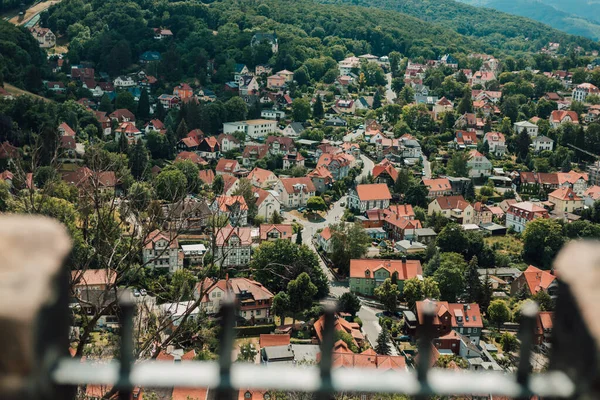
(371, 327)
(366, 168)
(426, 167)
(389, 93)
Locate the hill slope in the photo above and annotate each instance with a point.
(498, 29)
(578, 17)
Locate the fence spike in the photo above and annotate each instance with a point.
(124, 383)
(424, 345)
(224, 390)
(326, 386)
(529, 312)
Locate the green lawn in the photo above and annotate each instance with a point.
(508, 245)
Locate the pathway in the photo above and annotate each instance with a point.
(390, 95)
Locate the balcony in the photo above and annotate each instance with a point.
(35, 363)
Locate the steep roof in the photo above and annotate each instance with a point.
(93, 277)
(244, 233)
(226, 165)
(557, 116)
(406, 269)
(226, 202)
(268, 339)
(537, 279)
(375, 191)
(564, 193)
(571, 177)
(190, 155)
(439, 184)
(452, 202)
(292, 185)
(260, 175)
(469, 314)
(158, 235)
(285, 230)
(387, 169)
(207, 176)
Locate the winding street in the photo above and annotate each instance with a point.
(389, 93)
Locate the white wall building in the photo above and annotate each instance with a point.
(254, 128)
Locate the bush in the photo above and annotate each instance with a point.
(358, 321)
(248, 331)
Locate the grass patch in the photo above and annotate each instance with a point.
(508, 245)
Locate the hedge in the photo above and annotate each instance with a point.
(248, 331)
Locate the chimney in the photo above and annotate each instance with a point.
(404, 259)
(465, 307)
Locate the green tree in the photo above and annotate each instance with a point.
(276, 218)
(387, 293)
(397, 86)
(140, 195)
(138, 160)
(383, 342)
(412, 291)
(316, 203)
(466, 104)
(105, 104)
(245, 189)
(218, 185)
(247, 352)
(125, 100)
(544, 301)
(348, 241)
(458, 165)
(498, 313)
(302, 293)
(376, 100)
(182, 129)
(318, 111)
(235, 109)
(431, 289)
(509, 342)
(510, 108)
(300, 110)
(171, 185)
(542, 239)
(190, 170)
(346, 338)
(406, 95)
(473, 283)
(452, 239)
(349, 303)
(143, 108)
(299, 237)
(522, 143)
(280, 306)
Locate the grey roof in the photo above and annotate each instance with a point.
(409, 244)
(425, 232)
(306, 352)
(410, 316)
(492, 226)
(297, 127)
(542, 138)
(275, 353)
(499, 271)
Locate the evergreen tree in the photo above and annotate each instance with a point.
(383, 342)
(143, 110)
(472, 281)
(376, 100)
(299, 236)
(182, 129)
(138, 160)
(105, 104)
(522, 145)
(218, 185)
(123, 144)
(466, 104)
(318, 111)
(159, 111)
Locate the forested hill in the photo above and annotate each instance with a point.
(498, 29)
(578, 17)
(21, 60)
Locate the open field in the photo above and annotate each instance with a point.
(15, 91)
(32, 12)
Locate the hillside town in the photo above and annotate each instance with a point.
(384, 184)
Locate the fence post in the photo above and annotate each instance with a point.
(224, 390)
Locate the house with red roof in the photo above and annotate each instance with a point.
(479, 165)
(544, 327)
(234, 207)
(496, 142)
(94, 279)
(191, 156)
(162, 33)
(324, 239)
(343, 357)
(209, 148)
(275, 232)
(105, 121)
(254, 152)
(455, 208)
(443, 105)
(464, 319)
(207, 176)
(578, 181)
(465, 139)
(520, 214)
(321, 178)
(396, 226)
(368, 274)
(280, 144)
(340, 324)
(293, 159)
(263, 178)
(369, 196)
(122, 115)
(582, 91)
(183, 91)
(230, 184)
(338, 164)
(565, 200)
(533, 280)
(273, 339)
(65, 130)
(233, 246)
(267, 203)
(437, 187)
(482, 214)
(131, 132)
(161, 250)
(227, 167)
(84, 178)
(295, 192)
(384, 172)
(155, 125)
(559, 117)
(591, 195)
(227, 141)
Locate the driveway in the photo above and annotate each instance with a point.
(426, 167)
(390, 95)
(367, 167)
(371, 327)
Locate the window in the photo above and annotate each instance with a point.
(257, 312)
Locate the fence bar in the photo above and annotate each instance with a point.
(225, 389)
(326, 387)
(124, 384)
(529, 314)
(424, 346)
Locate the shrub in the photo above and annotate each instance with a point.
(248, 331)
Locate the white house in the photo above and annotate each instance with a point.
(254, 128)
(233, 246)
(532, 129)
(496, 142)
(124, 82)
(581, 92)
(479, 165)
(274, 115)
(267, 203)
(542, 143)
(161, 250)
(369, 196)
(295, 192)
(294, 129)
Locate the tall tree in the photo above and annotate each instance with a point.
(383, 342)
(387, 293)
(302, 293)
(473, 283)
(376, 100)
(458, 165)
(143, 108)
(171, 185)
(182, 129)
(105, 104)
(522, 143)
(498, 313)
(300, 110)
(318, 111)
(542, 239)
(235, 109)
(348, 241)
(466, 104)
(217, 185)
(349, 303)
(299, 236)
(125, 100)
(280, 306)
(138, 160)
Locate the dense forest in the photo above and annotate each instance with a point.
(21, 59)
(577, 17)
(495, 28)
(13, 4)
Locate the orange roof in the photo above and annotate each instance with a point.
(367, 359)
(184, 393)
(285, 230)
(157, 235)
(437, 184)
(388, 169)
(320, 172)
(537, 279)
(402, 223)
(375, 191)
(571, 177)
(326, 233)
(558, 116)
(228, 181)
(225, 165)
(207, 176)
(243, 233)
(226, 202)
(466, 137)
(190, 155)
(452, 202)
(546, 319)
(406, 269)
(260, 175)
(68, 131)
(293, 185)
(402, 210)
(268, 339)
(469, 314)
(92, 277)
(564, 193)
(593, 192)
(340, 324)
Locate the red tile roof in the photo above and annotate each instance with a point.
(469, 313)
(226, 202)
(268, 340)
(66, 129)
(387, 169)
(243, 233)
(436, 185)
(402, 210)
(190, 155)
(571, 177)
(375, 191)
(546, 319)
(93, 277)
(121, 114)
(293, 185)
(158, 235)
(564, 193)
(326, 233)
(207, 176)
(452, 202)
(466, 137)
(227, 166)
(285, 230)
(558, 116)
(260, 175)
(406, 269)
(537, 279)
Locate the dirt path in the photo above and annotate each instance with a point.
(15, 91)
(33, 11)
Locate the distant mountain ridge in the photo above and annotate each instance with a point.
(577, 17)
(500, 30)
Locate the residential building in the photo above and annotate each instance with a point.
(254, 152)
(593, 173)
(340, 324)
(368, 274)
(254, 128)
(233, 246)
(321, 178)
(581, 92)
(276, 82)
(295, 192)
(191, 156)
(124, 82)
(443, 105)
(275, 232)
(93, 279)
(465, 139)
(482, 214)
(542, 143)
(397, 226)
(169, 101)
(591, 195)
(263, 69)
(543, 328)
(347, 65)
(520, 214)
(293, 159)
(248, 86)
(275, 115)
(161, 250)
(324, 240)
(227, 167)
(437, 187)
(267, 203)
(189, 215)
(183, 91)
(122, 115)
(338, 164)
(240, 70)
(559, 117)
(293, 130)
(269, 38)
(533, 280)
(479, 165)
(464, 319)
(161, 33)
(253, 300)
(565, 200)
(455, 208)
(532, 129)
(234, 207)
(578, 181)
(496, 142)
(263, 178)
(279, 145)
(227, 142)
(368, 196)
(384, 172)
